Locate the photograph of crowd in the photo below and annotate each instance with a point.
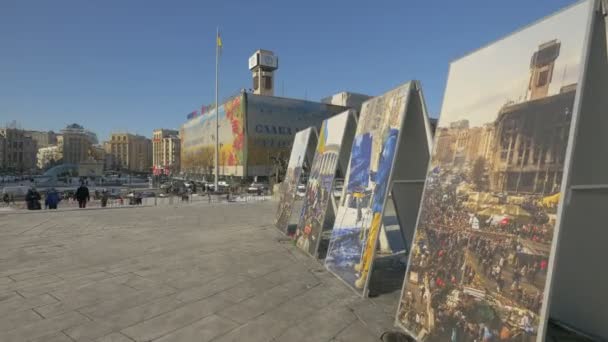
(320, 182)
(289, 187)
(481, 253)
(359, 218)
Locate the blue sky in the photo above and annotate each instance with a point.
(136, 65)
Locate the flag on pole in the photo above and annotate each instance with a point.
(219, 41)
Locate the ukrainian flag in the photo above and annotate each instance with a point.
(322, 138)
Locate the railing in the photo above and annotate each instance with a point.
(170, 200)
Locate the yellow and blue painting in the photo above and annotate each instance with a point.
(359, 217)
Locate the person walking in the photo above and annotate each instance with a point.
(82, 196)
(104, 198)
(52, 199)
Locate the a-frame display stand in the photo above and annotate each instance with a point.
(411, 167)
(409, 171)
(356, 233)
(579, 296)
(288, 203)
(318, 238)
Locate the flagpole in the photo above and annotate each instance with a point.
(217, 109)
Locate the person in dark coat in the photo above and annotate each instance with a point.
(32, 199)
(104, 198)
(52, 199)
(82, 196)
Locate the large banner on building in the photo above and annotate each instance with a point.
(319, 188)
(198, 140)
(480, 262)
(289, 187)
(272, 123)
(359, 217)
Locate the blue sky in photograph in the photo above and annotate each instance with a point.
(136, 65)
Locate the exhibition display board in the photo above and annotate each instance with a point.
(331, 154)
(385, 132)
(301, 155)
(486, 236)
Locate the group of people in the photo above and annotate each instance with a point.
(53, 197)
(503, 263)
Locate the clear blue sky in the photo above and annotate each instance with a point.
(136, 65)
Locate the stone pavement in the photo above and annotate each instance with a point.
(202, 272)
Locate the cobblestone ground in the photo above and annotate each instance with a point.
(201, 272)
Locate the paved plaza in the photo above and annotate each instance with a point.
(198, 272)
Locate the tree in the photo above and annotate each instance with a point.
(478, 172)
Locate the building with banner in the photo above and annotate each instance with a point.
(254, 132)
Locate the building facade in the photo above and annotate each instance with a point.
(75, 143)
(347, 99)
(48, 156)
(18, 150)
(165, 151)
(43, 138)
(129, 152)
(256, 132)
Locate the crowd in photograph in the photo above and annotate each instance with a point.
(457, 262)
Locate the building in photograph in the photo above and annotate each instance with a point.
(19, 150)
(48, 156)
(255, 133)
(444, 150)
(165, 151)
(529, 153)
(129, 152)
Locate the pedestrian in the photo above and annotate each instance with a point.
(104, 198)
(82, 196)
(52, 199)
(6, 198)
(32, 199)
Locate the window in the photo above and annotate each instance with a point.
(256, 80)
(543, 78)
(267, 82)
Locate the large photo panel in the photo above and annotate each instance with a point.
(319, 188)
(480, 260)
(359, 216)
(289, 187)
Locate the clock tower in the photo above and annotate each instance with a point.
(262, 64)
(541, 69)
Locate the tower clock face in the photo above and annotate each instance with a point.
(268, 60)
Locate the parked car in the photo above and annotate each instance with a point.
(254, 188)
(147, 194)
